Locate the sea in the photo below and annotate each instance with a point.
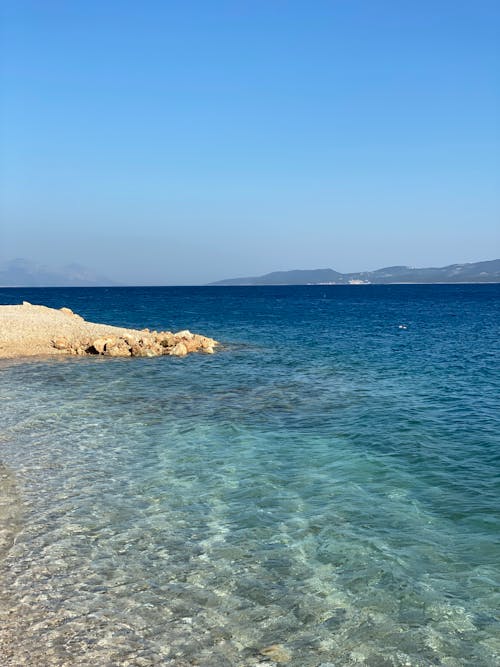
(323, 491)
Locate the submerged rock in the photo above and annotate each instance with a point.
(276, 653)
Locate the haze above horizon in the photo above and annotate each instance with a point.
(181, 142)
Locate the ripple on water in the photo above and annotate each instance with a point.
(336, 509)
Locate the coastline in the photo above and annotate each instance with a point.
(29, 330)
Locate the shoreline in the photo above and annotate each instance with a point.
(332, 284)
(28, 330)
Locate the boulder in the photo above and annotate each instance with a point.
(99, 344)
(166, 339)
(118, 348)
(179, 350)
(185, 333)
(207, 345)
(137, 350)
(192, 345)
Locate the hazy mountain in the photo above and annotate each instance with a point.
(25, 273)
(477, 272)
(298, 277)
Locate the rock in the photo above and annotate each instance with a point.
(166, 339)
(119, 352)
(68, 311)
(276, 653)
(99, 344)
(197, 343)
(118, 348)
(179, 350)
(207, 342)
(148, 345)
(129, 340)
(185, 333)
(137, 350)
(26, 303)
(61, 344)
(191, 345)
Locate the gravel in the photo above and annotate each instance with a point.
(28, 330)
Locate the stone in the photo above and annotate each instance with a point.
(119, 349)
(276, 653)
(185, 333)
(179, 350)
(166, 339)
(26, 303)
(68, 311)
(192, 345)
(121, 352)
(208, 349)
(61, 343)
(137, 350)
(99, 344)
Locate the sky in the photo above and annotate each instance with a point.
(183, 142)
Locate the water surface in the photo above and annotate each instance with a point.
(327, 482)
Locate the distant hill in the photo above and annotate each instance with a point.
(25, 273)
(477, 272)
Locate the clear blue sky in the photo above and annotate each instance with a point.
(179, 142)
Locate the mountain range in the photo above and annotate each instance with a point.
(477, 272)
(25, 273)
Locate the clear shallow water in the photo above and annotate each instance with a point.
(327, 482)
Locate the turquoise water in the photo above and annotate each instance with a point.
(327, 482)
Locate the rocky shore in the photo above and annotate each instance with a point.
(29, 330)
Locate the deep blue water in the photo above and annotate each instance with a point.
(327, 481)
